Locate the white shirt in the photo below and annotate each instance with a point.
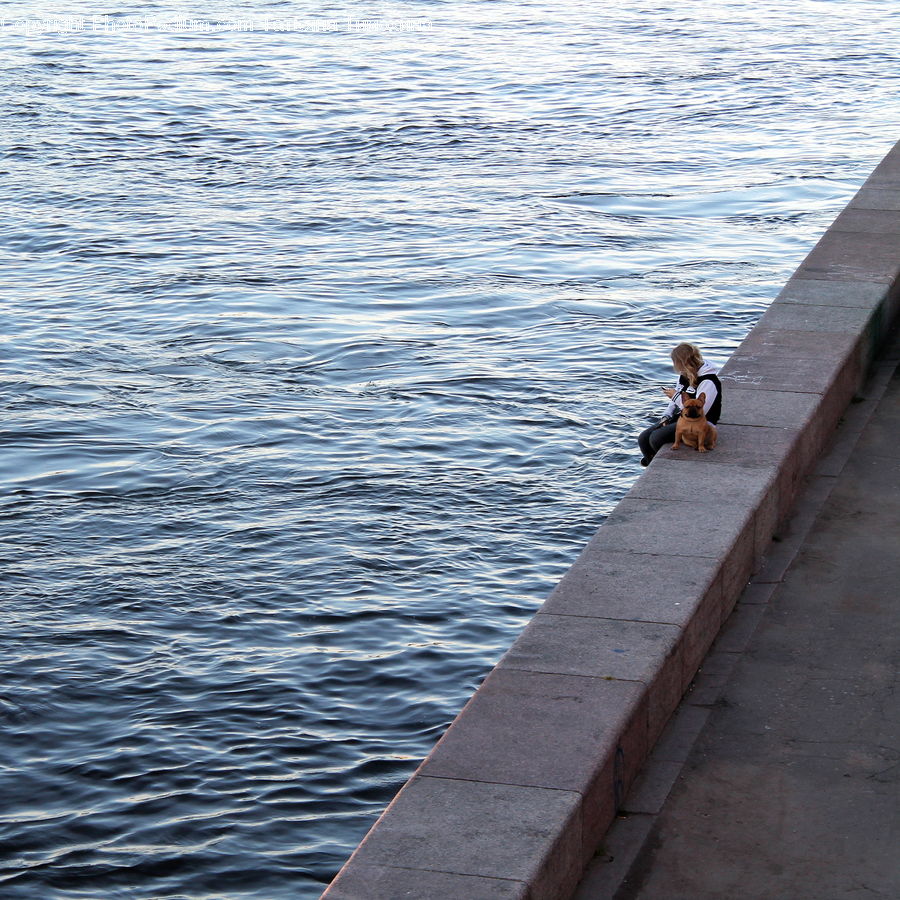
(703, 387)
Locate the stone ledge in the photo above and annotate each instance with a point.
(522, 787)
(878, 198)
(472, 829)
(387, 881)
(852, 256)
(541, 729)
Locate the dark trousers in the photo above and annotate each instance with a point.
(652, 439)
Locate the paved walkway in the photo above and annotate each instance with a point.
(779, 777)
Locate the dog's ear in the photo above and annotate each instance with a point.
(702, 397)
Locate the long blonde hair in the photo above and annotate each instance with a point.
(687, 360)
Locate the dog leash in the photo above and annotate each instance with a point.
(668, 420)
(673, 398)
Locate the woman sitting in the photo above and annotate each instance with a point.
(695, 377)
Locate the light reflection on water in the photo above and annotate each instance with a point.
(324, 356)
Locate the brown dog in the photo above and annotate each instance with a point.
(692, 429)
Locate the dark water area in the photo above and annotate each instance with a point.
(324, 350)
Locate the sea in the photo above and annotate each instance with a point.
(327, 329)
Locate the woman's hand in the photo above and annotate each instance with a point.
(669, 392)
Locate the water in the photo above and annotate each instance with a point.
(324, 353)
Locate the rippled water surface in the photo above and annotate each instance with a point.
(324, 350)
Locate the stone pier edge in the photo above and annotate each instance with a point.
(517, 795)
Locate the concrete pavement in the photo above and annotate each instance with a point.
(779, 775)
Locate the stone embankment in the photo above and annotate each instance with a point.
(518, 793)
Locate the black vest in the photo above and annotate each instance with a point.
(716, 409)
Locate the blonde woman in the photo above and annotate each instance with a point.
(695, 377)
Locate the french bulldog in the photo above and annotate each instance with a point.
(692, 429)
